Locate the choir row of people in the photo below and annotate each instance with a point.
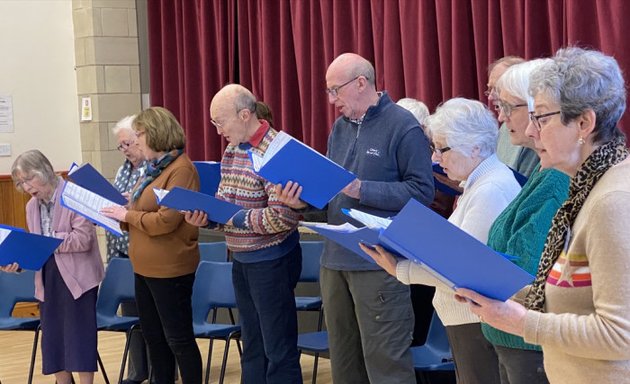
(566, 225)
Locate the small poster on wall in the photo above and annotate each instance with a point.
(86, 109)
(6, 114)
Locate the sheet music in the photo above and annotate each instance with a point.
(160, 193)
(4, 233)
(276, 144)
(89, 205)
(370, 221)
(345, 227)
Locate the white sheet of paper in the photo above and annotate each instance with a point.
(89, 204)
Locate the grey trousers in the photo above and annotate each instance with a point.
(475, 359)
(521, 366)
(370, 327)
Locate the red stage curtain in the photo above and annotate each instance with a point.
(431, 50)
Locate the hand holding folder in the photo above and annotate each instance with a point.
(29, 250)
(288, 159)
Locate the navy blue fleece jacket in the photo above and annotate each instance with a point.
(390, 154)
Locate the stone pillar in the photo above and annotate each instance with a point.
(107, 67)
(108, 71)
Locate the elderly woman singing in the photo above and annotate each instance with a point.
(577, 308)
(464, 135)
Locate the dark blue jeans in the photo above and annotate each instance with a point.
(165, 311)
(266, 305)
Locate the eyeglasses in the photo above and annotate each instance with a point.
(140, 133)
(539, 120)
(439, 151)
(507, 108)
(491, 91)
(124, 145)
(22, 182)
(334, 91)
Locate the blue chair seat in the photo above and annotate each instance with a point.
(314, 342)
(426, 359)
(308, 303)
(216, 331)
(19, 323)
(116, 323)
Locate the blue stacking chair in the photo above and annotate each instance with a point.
(314, 343)
(16, 288)
(311, 254)
(117, 287)
(213, 289)
(435, 354)
(216, 251)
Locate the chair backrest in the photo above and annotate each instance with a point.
(216, 251)
(117, 286)
(311, 254)
(436, 337)
(212, 289)
(15, 288)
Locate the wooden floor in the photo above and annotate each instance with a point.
(15, 351)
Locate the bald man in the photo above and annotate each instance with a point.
(368, 312)
(264, 244)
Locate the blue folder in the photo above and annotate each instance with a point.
(348, 239)
(182, 199)
(321, 178)
(462, 261)
(29, 250)
(209, 176)
(89, 178)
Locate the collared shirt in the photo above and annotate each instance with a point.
(46, 215)
(259, 134)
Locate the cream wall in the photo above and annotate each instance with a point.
(37, 69)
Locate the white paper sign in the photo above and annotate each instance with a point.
(86, 109)
(6, 114)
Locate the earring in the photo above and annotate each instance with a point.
(581, 141)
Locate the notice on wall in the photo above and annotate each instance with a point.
(86, 109)
(6, 114)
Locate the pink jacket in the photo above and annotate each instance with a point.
(78, 257)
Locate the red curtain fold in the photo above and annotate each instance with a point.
(431, 50)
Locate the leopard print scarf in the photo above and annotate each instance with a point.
(581, 185)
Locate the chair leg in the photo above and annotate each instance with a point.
(225, 357)
(208, 363)
(33, 355)
(100, 363)
(125, 353)
(315, 368)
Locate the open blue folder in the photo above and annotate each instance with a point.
(462, 261)
(89, 178)
(209, 176)
(347, 236)
(29, 250)
(321, 178)
(182, 199)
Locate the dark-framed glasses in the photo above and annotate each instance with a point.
(507, 108)
(124, 145)
(439, 151)
(334, 91)
(540, 120)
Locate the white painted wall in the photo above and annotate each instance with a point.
(37, 70)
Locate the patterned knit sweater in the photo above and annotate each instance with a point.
(521, 230)
(585, 330)
(265, 229)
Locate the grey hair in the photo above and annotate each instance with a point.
(417, 108)
(515, 80)
(580, 80)
(244, 99)
(366, 69)
(465, 124)
(126, 123)
(33, 163)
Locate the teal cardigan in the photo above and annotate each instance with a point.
(521, 231)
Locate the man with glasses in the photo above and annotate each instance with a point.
(264, 242)
(521, 159)
(368, 312)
